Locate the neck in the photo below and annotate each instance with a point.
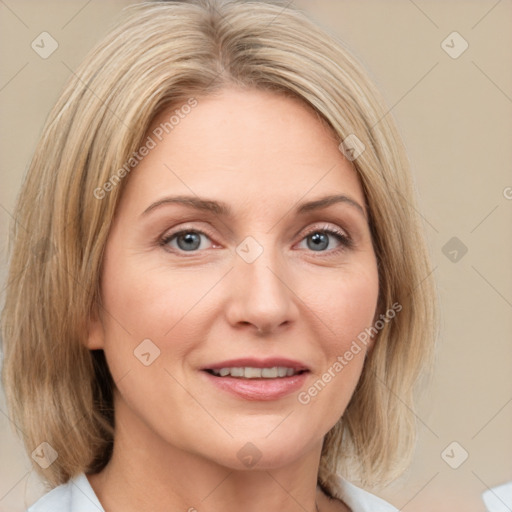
(152, 475)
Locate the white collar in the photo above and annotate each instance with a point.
(77, 495)
(83, 496)
(358, 499)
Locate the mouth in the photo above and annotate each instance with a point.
(253, 379)
(250, 372)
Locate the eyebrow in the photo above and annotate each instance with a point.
(224, 209)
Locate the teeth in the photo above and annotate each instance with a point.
(255, 373)
(252, 373)
(269, 373)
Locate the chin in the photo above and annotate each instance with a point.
(264, 453)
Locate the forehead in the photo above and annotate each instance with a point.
(242, 146)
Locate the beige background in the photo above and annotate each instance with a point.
(455, 116)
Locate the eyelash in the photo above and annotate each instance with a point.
(344, 240)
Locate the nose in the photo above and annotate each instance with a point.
(261, 295)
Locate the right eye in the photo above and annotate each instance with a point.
(185, 240)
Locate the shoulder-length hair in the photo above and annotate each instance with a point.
(159, 55)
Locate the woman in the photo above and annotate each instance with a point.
(273, 360)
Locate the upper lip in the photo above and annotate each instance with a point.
(252, 362)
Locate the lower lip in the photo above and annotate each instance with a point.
(259, 389)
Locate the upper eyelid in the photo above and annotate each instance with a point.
(307, 231)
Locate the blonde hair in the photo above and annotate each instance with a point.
(161, 54)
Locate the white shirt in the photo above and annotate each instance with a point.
(77, 495)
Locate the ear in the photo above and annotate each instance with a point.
(96, 335)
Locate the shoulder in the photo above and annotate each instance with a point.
(76, 495)
(358, 499)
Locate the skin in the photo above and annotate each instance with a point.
(177, 435)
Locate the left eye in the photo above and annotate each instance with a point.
(317, 240)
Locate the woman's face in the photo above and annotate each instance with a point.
(242, 277)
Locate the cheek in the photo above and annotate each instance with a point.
(141, 311)
(347, 309)
(347, 303)
(151, 301)
(357, 305)
(147, 302)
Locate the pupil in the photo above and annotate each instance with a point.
(190, 238)
(319, 240)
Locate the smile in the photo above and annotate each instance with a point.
(249, 372)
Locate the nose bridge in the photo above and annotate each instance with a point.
(259, 264)
(263, 297)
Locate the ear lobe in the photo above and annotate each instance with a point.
(96, 336)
